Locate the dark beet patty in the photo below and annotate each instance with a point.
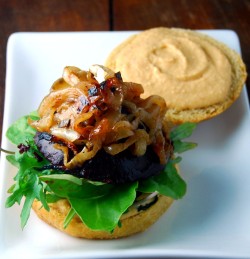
(103, 167)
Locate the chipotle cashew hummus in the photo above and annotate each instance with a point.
(189, 71)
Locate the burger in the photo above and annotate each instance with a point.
(96, 160)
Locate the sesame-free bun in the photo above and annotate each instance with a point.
(130, 224)
(198, 76)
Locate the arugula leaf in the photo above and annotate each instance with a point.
(31, 192)
(66, 186)
(168, 182)
(99, 206)
(34, 115)
(104, 212)
(20, 131)
(11, 159)
(180, 146)
(69, 217)
(182, 131)
(58, 178)
(15, 197)
(27, 185)
(52, 198)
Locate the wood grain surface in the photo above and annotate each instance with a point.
(106, 15)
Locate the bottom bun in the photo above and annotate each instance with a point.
(129, 224)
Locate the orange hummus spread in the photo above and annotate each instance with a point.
(187, 70)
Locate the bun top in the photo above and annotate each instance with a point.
(198, 76)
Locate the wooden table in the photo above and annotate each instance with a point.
(108, 15)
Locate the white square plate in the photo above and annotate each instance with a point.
(212, 221)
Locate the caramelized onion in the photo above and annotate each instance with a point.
(139, 135)
(95, 109)
(67, 134)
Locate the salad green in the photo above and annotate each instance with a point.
(98, 205)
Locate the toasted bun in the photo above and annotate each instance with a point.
(151, 56)
(130, 225)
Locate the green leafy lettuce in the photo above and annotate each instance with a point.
(98, 205)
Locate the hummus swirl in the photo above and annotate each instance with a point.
(187, 70)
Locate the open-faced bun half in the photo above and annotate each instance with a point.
(198, 76)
